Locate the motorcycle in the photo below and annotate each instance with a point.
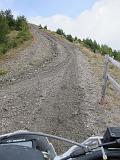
(25, 145)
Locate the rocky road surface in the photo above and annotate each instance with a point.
(50, 88)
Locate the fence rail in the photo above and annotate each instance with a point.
(107, 77)
(115, 84)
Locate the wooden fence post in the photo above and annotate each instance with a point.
(105, 78)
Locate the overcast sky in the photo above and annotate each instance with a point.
(96, 19)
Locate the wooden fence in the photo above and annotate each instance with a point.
(107, 77)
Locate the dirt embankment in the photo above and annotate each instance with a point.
(50, 88)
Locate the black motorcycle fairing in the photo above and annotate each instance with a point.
(15, 152)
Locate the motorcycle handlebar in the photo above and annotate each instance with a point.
(97, 155)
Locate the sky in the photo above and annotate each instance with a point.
(96, 19)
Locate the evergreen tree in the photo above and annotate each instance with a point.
(10, 19)
(21, 23)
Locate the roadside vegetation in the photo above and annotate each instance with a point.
(103, 49)
(95, 55)
(13, 32)
(96, 61)
(92, 45)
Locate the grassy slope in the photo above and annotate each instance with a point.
(96, 62)
(11, 53)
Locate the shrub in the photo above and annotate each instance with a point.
(8, 25)
(45, 27)
(75, 39)
(79, 40)
(106, 50)
(60, 31)
(69, 38)
(40, 26)
(116, 55)
(4, 29)
(21, 23)
(3, 49)
(12, 43)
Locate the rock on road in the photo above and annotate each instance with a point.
(50, 88)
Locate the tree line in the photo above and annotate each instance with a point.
(62, 33)
(12, 31)
(92, 44)
(103, 49)
(68, 37)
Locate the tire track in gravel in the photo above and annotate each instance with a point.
(49, 90)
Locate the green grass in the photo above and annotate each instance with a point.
(14, 40)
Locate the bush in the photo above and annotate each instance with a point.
(103, 49)
(75, 39)
(40, 26)
(8, 25)
(45, 27)
(60, 32)
(12, 43)
(116, 55)
(4, 29)
(21, 23)
(79, 40)
(23, 35)
(106, 50)
(3, 49)
(69, 38)
(91, 44)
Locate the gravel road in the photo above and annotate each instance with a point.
(50, 88)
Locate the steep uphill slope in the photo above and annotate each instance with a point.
(50, 88)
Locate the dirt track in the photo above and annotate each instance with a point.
(50, 88)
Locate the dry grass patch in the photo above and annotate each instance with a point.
(58, 36)
(97, 62)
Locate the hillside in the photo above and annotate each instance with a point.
(13, 32)
(51, 87)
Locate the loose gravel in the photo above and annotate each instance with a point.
(50, 88)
